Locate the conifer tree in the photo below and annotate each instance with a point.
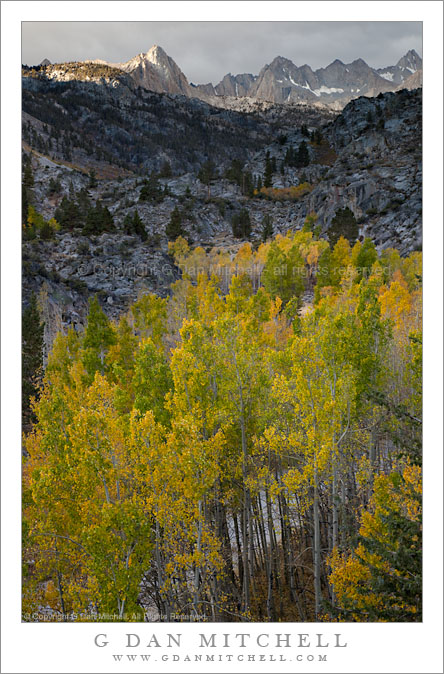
(92, 179)
(207, 174)
(151, 190)
(25, 204)
(28, 175)
(268, 174)
(32, 357)
(302, 158)
(343, 224)
(267, 227)
(234, 172)
(241, 224)
(381, 580)
(174, 227)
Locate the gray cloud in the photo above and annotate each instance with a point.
(206, 51)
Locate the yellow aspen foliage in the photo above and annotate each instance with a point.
(389, 551)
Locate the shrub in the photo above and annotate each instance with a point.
(285, 193)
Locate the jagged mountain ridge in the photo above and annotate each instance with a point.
(281, 81)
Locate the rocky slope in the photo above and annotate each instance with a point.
(369, 159)
(94, 115)
(378, 173)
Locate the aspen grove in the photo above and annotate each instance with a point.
(235, 451)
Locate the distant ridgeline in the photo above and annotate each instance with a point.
(281, 81)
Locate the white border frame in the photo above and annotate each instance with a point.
(371, 647)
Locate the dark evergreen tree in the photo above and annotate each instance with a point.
(290, 157)
(28, 176)
(46, 231)
(32, 358)
(107, 219)
(138, 226)
(241, 224)
(234, 172)
(268, 174)
(151, 190)
(98, 220)
(128, 224)
(247, 184)
(343, 224)
(174, 227)
(84, 202)
(303, 157)
(68, 214)
(25, 204)
(165, 170)
(54, 187)
(267, 227)
(92, 179)
(207, 174)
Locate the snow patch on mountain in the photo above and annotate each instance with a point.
(327, 90)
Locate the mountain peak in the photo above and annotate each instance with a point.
(359, 62)
(411, 61)
(156, 55)
(280, 60)
(156, 71)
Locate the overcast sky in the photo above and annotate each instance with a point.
(206, 51)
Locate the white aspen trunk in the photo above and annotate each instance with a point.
(246, 529)
(197, 566)
(335, 509)
(372, 459)
(271, 612)
(160, 573)
(316, 547)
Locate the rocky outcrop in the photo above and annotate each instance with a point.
(378, 174)
(414, 81)
(235, 85)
